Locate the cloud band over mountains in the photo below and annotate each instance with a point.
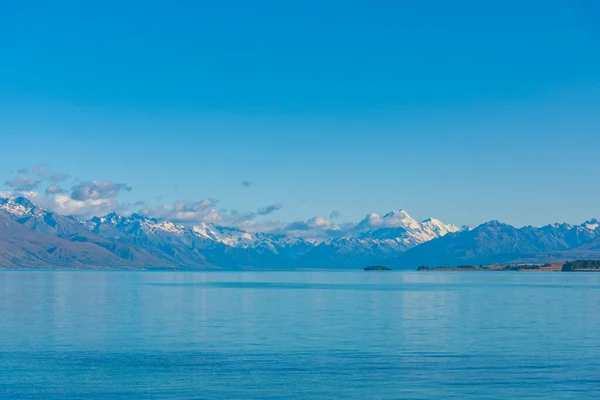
(86, 199)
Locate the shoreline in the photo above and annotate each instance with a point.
(561, 266)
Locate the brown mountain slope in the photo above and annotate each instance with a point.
(20, 247)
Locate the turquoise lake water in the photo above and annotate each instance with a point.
(299, 335)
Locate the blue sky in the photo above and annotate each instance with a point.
(466, 111)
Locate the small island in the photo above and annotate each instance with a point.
(377, 268)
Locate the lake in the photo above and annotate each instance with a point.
(299, 335)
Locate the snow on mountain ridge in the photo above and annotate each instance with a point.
(145, 241)
(439, 227)
(393, 219)
(396, 229)
(399, 227)
(591, 224)
(19, 206)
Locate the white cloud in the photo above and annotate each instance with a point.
(317, 228)
(394, 219)
(54, 189)
(64, 204)
(186, 211)
(23, 183)
(192, 212)
(29, 194)
(268, 209)
(313, 223)
(97, 190)
(42, 171)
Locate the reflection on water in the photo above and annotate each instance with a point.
(299, 335)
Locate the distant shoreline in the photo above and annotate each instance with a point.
(562, 266)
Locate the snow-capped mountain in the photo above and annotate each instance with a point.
(592, 224)
(495, 242)
(376, 238)
(399, 227)
(200, 245)
(141, 241)
(33, 237)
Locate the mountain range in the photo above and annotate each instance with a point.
(32, 237)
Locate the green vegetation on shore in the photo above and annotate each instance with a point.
(582, 265)
(508, 267)
(569, 266)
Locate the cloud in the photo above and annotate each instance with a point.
(186, 211)
(190, 213)
(97, 190)
(58, 177)
(87, 208)
(86, 199)
(206, 211)
(268, 209)
(43, 173)
(316, 228)
(96, 198)
(236, 217)
(64, 204)
(313, 223)
(371, 221)
(38, 168)
(23, 183)
(54, 189)
(395, 219)
(193, 212)
(5, 193)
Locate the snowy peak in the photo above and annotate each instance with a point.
(393, 219)
(236, 237)
(399, 229)
(592, 224)
(439, 227)
(140, 226)
(396, 228)
(134, 223)
(18, 206)
(400, 218)
(398, 214)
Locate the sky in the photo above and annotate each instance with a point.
(230, 111)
